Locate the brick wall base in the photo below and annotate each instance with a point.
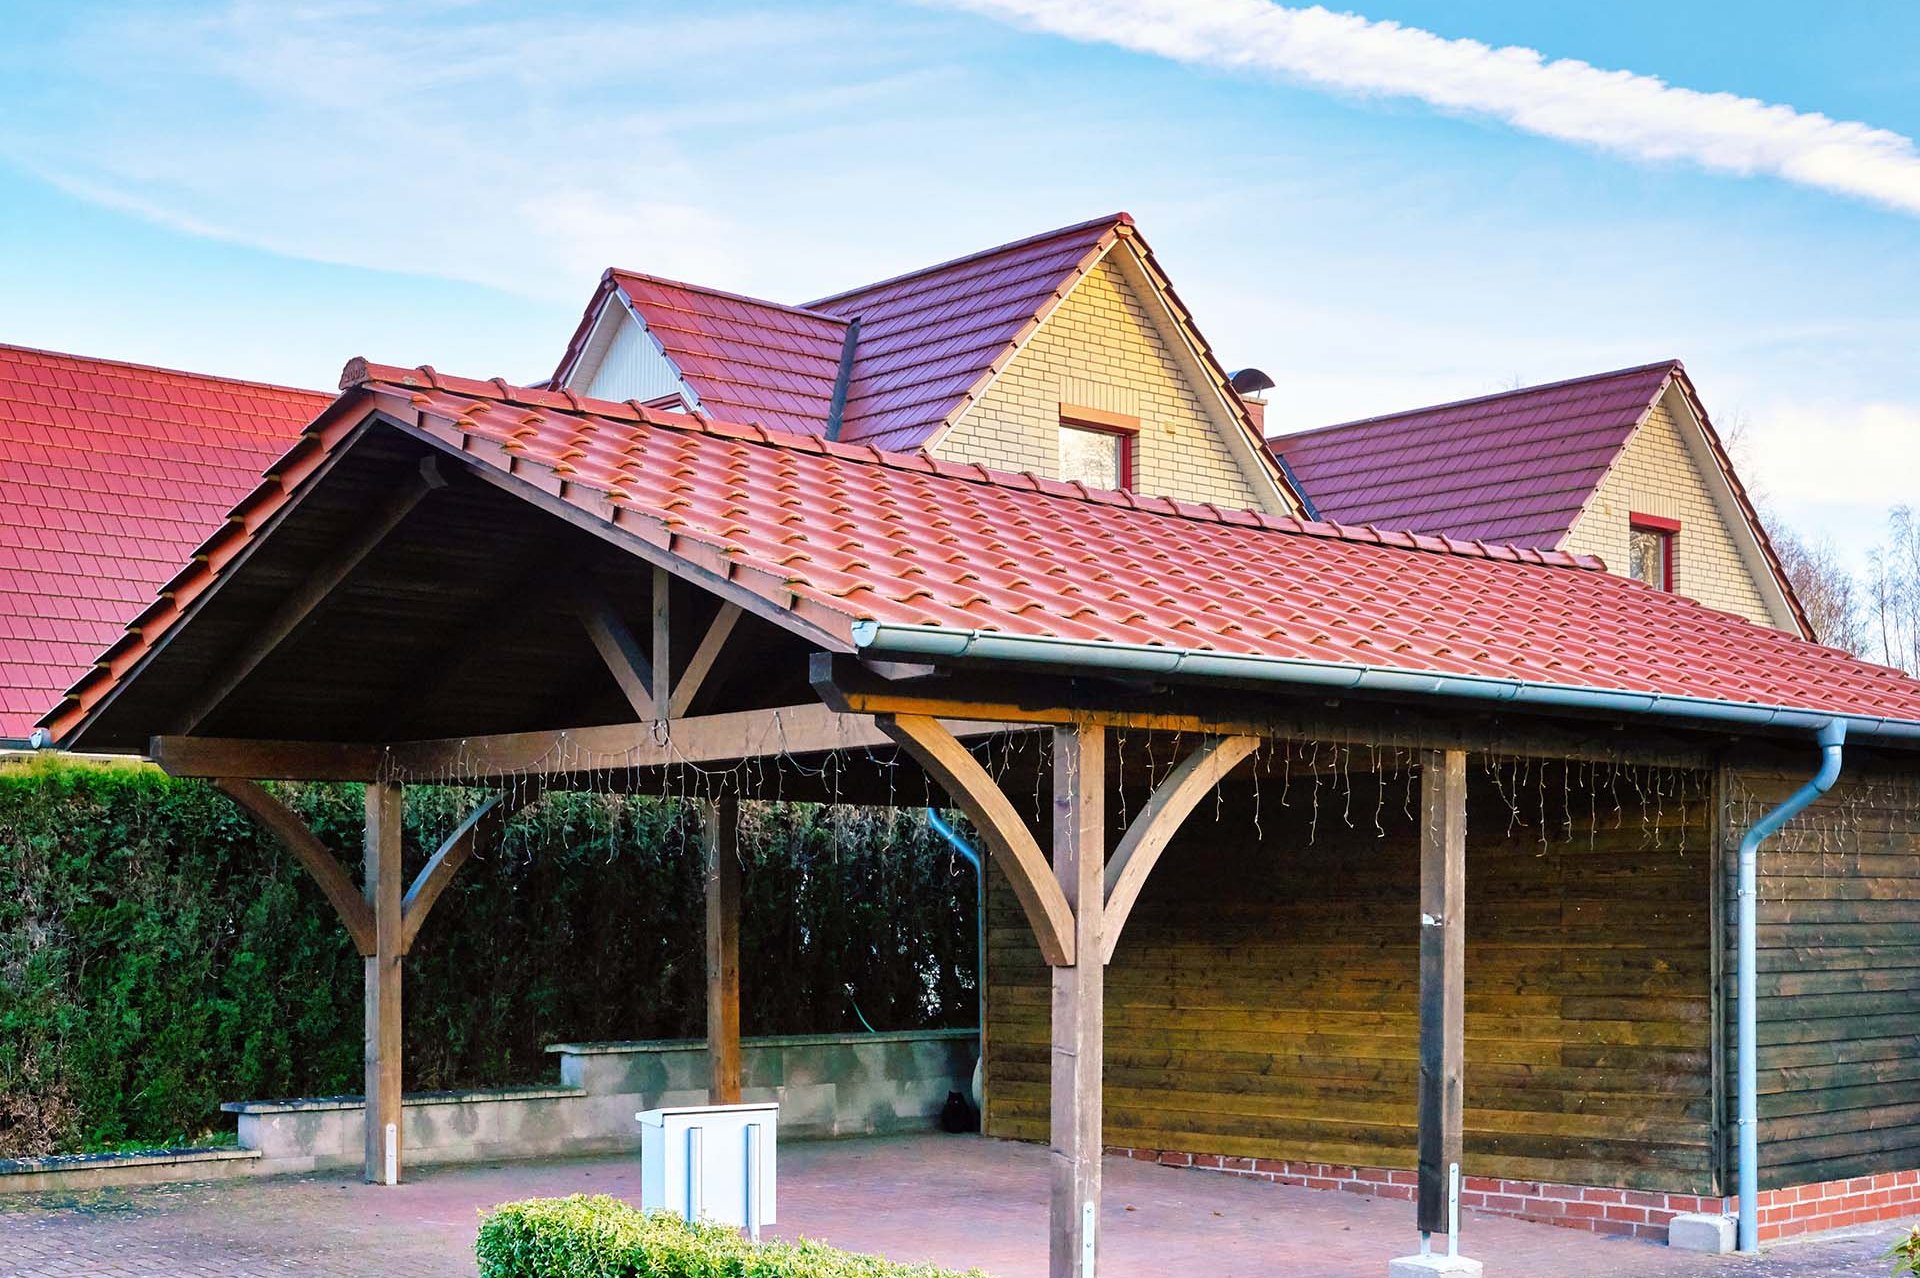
(1634, 1213)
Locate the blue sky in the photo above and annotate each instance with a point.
(266, 190)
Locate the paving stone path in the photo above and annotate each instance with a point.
(957, 1200)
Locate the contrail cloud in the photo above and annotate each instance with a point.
(1638, 116)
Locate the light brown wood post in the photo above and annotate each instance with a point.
(1079, 863)
(383, 886)
(720, 829)
(1443, 963)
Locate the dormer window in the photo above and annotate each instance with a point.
(1650, 540)
(1096, 446)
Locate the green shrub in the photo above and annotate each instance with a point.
(603, 1237)
(160, 953)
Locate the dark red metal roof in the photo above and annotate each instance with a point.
(1516, 467)
(110, 475)
(837, 534)
(930, 341)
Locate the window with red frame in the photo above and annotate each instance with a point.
(1650, 542)
(1096, 447)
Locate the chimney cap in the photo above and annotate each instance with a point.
(1249, 381)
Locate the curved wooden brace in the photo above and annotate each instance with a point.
(1154, 827)
(480, 829)
(340, 890)
(1007, 836)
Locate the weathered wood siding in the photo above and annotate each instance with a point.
(1839, 976)
(1262, 1001)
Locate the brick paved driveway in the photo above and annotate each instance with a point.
(958, 1200)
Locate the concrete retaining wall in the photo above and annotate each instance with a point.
(826, 1085)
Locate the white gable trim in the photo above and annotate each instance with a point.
(618, 321)
(1693, 432)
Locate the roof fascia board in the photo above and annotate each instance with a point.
(584, 332)
(1710, 458)
(1261, 469)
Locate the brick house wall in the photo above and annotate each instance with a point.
(1101, 349)
(1657, 474)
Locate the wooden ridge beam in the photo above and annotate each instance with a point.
(1013, 846)
(1148, 835)
(320, 583)
(482, 826)
(351, 907)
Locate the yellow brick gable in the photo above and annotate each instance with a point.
(1100, 349)
(1656, 474)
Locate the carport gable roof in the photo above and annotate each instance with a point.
(842, 542)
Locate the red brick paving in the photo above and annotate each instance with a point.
(956, 1200)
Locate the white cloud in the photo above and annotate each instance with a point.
(467, 142)
(1838, 453)
(1639, 116)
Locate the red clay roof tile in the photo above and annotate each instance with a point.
(113, 473)
(837, 534)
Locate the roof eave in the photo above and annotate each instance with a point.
(940, 642)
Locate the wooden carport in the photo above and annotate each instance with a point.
(453, 582)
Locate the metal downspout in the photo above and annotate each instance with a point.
(1832, 739)
(973, 858)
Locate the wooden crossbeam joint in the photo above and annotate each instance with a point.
(618, 647)
(479, 831)
(1013, 846)
(314, 856)
(1150, 832)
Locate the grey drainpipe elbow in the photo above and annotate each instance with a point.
(1832, 738)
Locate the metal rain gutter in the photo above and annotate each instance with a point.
(881, 638)
(1832, 739)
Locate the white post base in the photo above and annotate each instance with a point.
(1428, 1266)
(1696, 1231)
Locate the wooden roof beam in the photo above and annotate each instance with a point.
(299, 607)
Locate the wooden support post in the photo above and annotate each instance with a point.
(1443, 954)
(662, 645)
(720, 829)
(383, 887)
(1079, 1014)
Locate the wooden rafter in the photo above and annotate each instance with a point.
(300, 605)
(1147, 837)
(618, 647)
(478, 831)
(1012, 844)
(348, 903)
(694, 677)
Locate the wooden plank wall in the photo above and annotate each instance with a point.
(1839, 976)
(1263, 1000)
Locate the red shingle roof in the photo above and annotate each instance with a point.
(1516, 467)
(110, 475)
(837, 534)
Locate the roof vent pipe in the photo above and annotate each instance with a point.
(1832, 738)
(837, 409)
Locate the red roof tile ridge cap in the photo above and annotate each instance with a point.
(618, 273)
(108, 361)
(1277, 442)
(1113, 220)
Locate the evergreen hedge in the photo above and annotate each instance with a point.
(600, 1236)
(160, 954)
